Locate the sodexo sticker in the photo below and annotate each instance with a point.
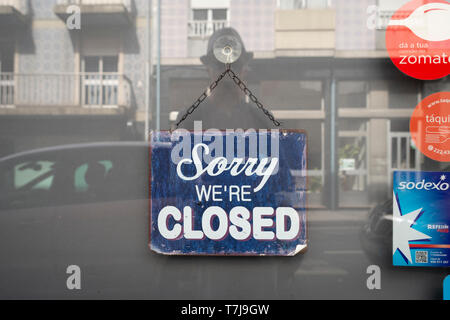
(230, 192)
(421, 219)
(418, 39)
(430, 126)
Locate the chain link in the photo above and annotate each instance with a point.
(200, 99)
(252, 97)
(240, 84)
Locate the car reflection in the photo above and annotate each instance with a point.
(74, 174)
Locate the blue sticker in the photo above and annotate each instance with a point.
(446, 287)
(231, 192)
(421, 219)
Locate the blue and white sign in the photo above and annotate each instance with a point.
(421, 219)
(230, 192)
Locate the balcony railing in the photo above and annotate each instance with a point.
(94, 90)
(126, 3)
(205, 28)
(20, 5)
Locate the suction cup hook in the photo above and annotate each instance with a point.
(227, 49)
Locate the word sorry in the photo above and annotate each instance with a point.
(220, 164)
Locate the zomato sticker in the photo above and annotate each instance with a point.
(430, 126)
(418, 39)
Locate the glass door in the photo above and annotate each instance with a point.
(353, 163)
(100, 81)
(6, 75)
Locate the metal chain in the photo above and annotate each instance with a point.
(201, 98)
(252, 97)
(240, 84)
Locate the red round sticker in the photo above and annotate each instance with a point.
(418, 39)
(430, 126)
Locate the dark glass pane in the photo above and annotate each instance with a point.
(219, 14)
(91, 64)
(404, 94)
(352, 94)
(7, 58)
(200, 14)
(110, 64)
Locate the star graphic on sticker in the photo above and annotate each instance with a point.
(403, 232)
(443, 177)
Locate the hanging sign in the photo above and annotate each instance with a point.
(230, 192)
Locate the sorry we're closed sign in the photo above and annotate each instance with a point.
(230, 192)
